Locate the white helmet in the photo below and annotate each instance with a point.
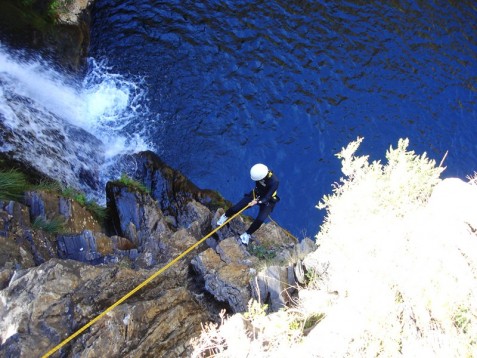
(258, 172)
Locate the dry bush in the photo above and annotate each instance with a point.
(405, 277)
(252, 334)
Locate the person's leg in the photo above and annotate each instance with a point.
(239, 206)
(263, 213)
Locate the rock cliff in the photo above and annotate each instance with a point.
(54, 283)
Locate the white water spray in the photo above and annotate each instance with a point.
(70, 129)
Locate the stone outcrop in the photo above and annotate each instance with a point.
(43, 305)
(227, 271)
(277, 284)
(58, 28)
(21, 247)
(52, 283)
(172, 190)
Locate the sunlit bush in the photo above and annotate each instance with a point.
(394, 274)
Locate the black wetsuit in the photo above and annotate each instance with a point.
(266, 193)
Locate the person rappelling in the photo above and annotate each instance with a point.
(264, 195)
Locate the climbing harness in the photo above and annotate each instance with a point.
(276, 198)
(138, 287)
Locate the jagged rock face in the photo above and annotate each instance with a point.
(95, 247)
(275, 285)
(227, 272)
(21, 247)
(169, 187)
(137, 217)
(44, 299)
(49, 206)
(43, 305)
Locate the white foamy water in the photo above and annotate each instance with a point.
(70, 128)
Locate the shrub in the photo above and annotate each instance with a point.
(385, 280)
(262, 253)
(403, 184)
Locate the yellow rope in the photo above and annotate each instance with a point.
(286, 231)
(138, 287)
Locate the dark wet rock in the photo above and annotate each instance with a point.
(195, 213)
(136, 216)
(63, 35)
(84, 247)
(169, 187)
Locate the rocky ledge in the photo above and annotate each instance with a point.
(54, 283)
(59, 29)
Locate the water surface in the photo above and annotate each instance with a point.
(289, 83)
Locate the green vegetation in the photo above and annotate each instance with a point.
(133, 184)
(13, 185)
(58, 6)
(463, 319)
(41, 15)
(405, 181)
(255, 310)
(311, 276)
(261, 252)
(313, 320)
(99, 212)
(96, 210)
(53, 226)
(304, 324)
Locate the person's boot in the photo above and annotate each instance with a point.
(245, 238)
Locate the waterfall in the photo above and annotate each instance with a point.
(72, 129)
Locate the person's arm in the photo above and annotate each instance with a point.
(273, 186)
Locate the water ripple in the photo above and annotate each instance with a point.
(291, 82)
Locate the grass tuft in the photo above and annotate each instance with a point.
(133, 184)
(13, 185)
(99, 212)
(53, 226)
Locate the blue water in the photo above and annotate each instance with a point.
(289, 83)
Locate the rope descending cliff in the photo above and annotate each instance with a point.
(138, 287)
